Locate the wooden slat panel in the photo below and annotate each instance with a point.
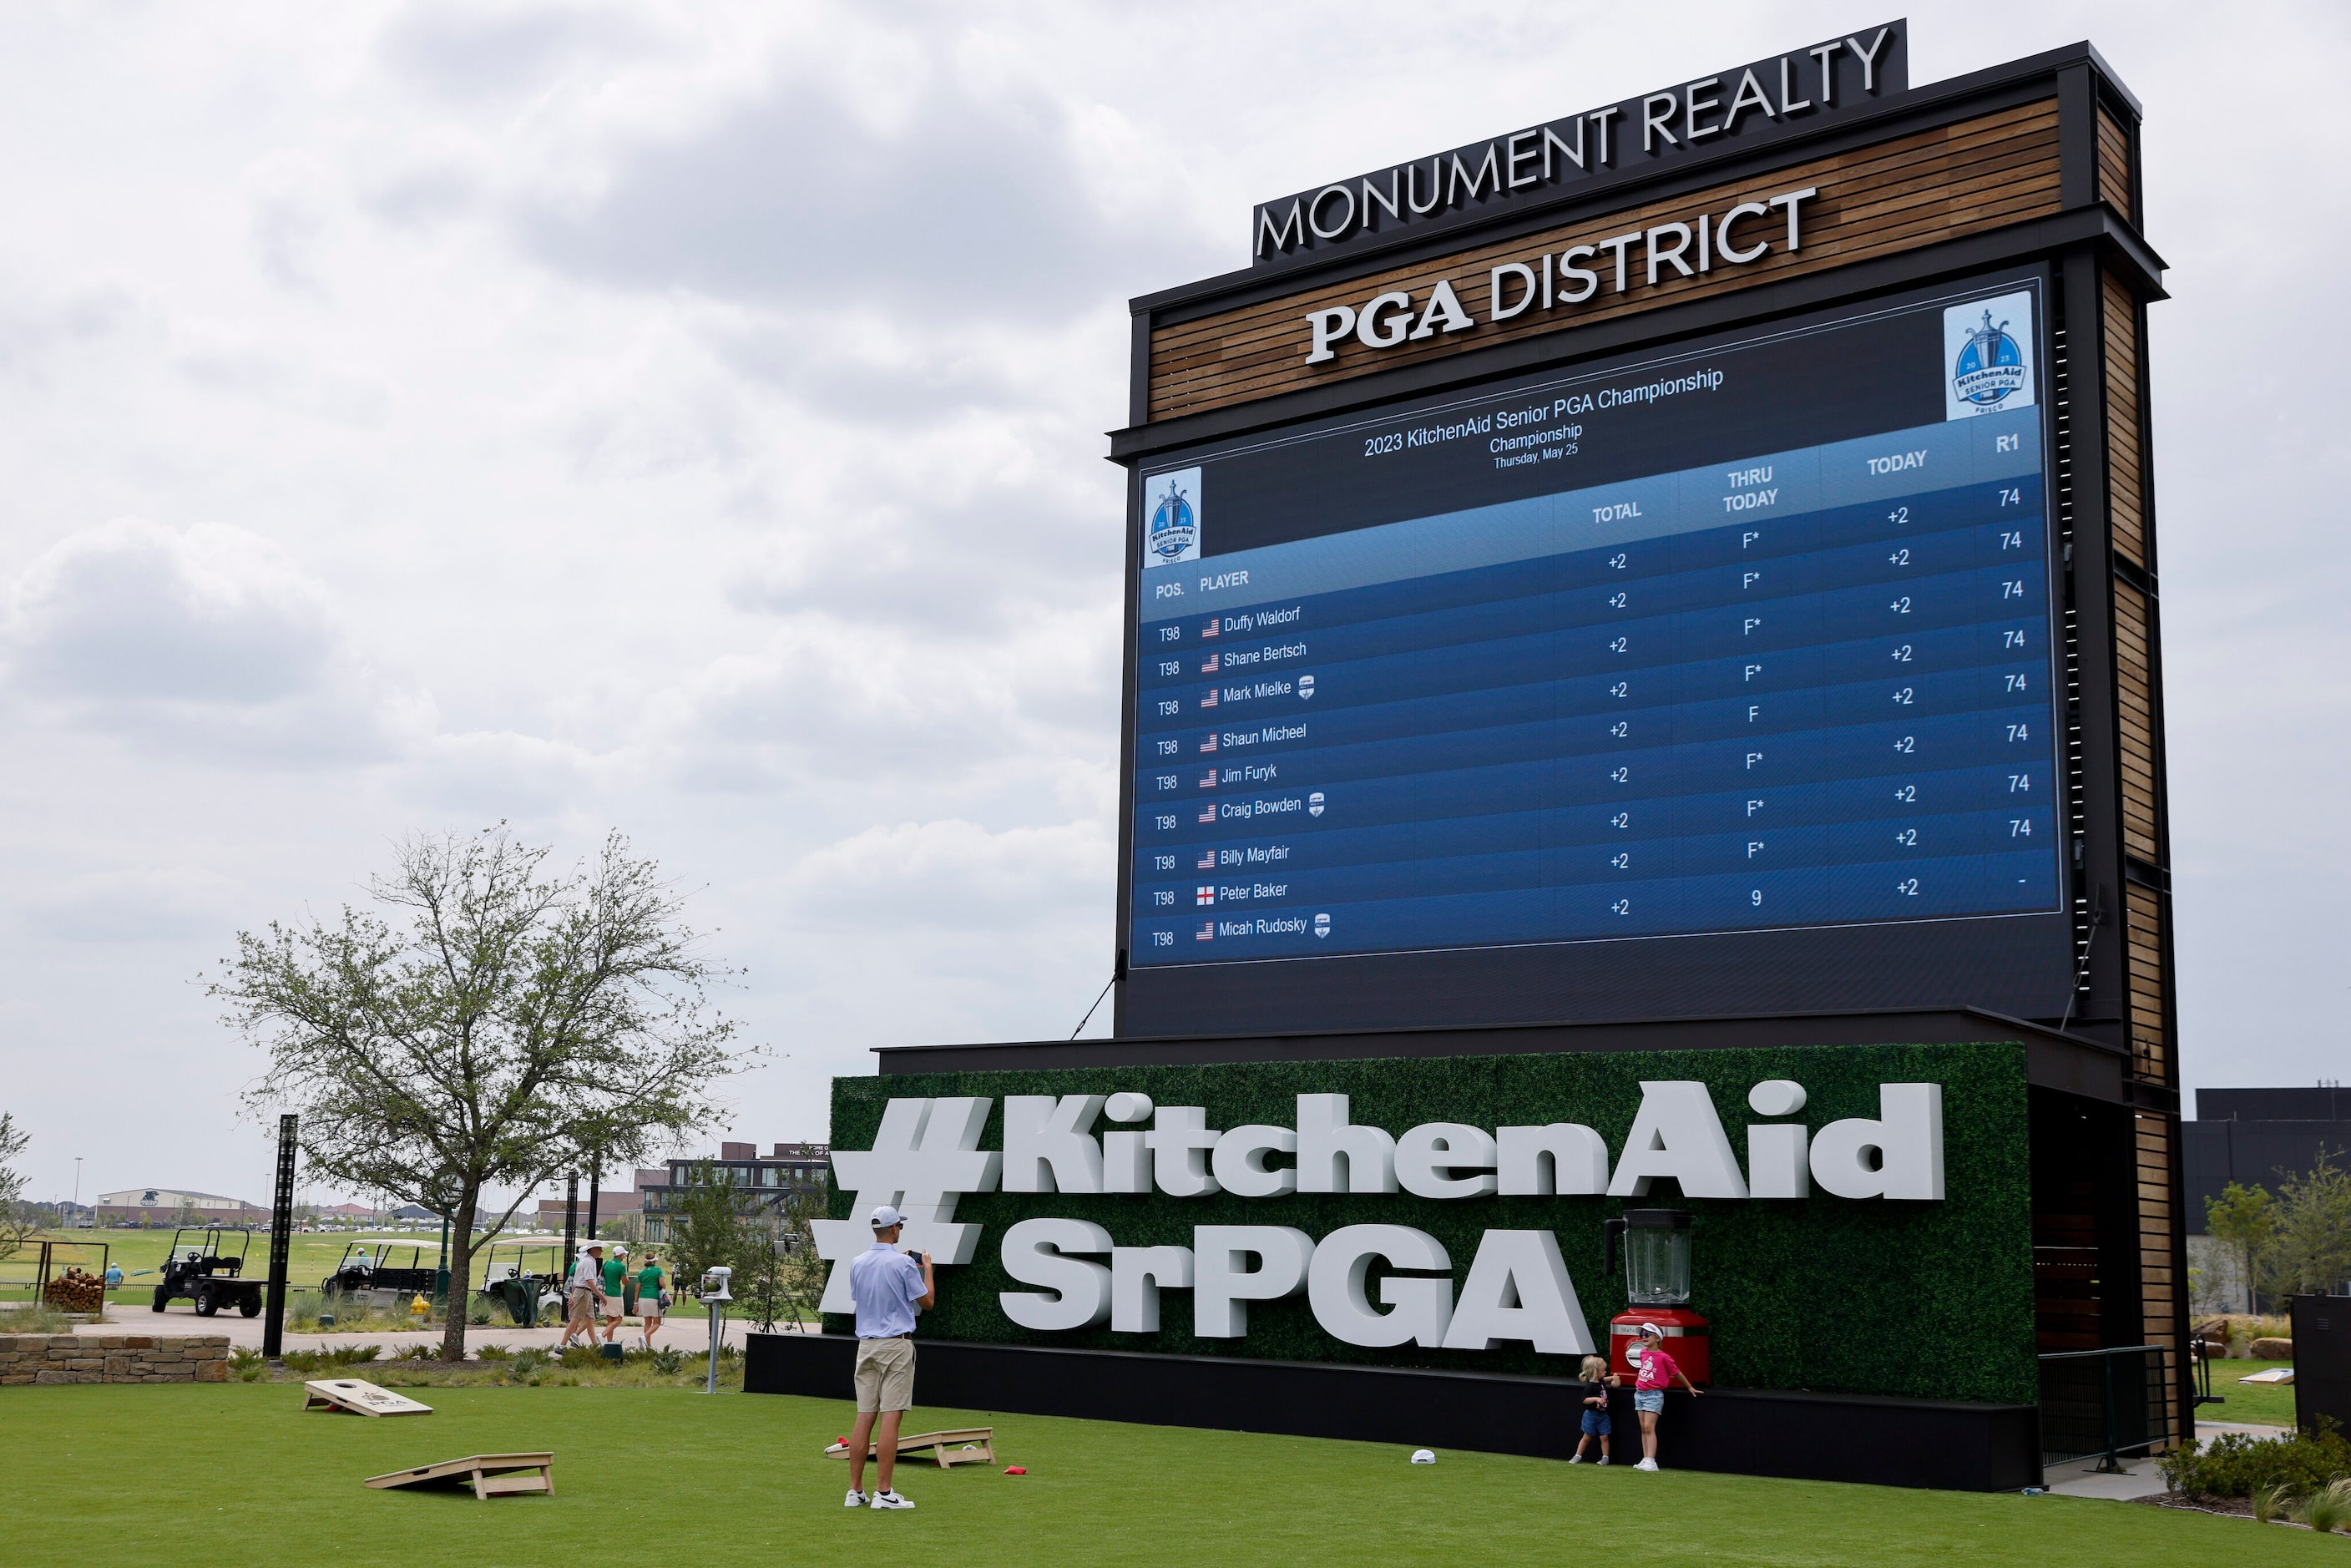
(2143, 948)
(2158, 1279)
(2114, 165)
(2125, 468)
(1917, 189)
(2135, 692)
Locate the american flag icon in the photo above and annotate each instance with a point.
(1209, 812)
(1209, 630)
(1207, 932)
(1208, 779)
(1207, 859)
(1210, 700)
(1204, 895)
(1208, 666)
(1209, 743)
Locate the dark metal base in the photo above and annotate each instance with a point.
(1808, 1437)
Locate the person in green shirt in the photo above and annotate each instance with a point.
(650, 1296)
(616, 1274)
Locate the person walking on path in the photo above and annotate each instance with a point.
(585, 1289)
(889, 1287)
(1659, 1372)
(615, 1284)
(652, 1300)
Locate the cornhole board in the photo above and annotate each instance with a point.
(490, 1475)
(358, 1397)
(947, 1447)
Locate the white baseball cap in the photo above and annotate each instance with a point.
(884, 1217)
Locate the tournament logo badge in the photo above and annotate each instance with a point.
(1171, 517)
(1991, 368)
(1321, 925)
(1315, 804)
(1988, 356)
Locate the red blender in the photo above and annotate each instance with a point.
(1656, 1246)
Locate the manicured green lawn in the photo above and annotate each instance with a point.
(238, 1474)
(2265, 1402)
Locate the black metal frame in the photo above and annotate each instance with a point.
(2130, 1420)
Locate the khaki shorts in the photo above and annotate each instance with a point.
(886, 1374)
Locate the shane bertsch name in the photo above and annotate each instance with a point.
(1269, 653)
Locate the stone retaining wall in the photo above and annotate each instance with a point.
(113, 1358)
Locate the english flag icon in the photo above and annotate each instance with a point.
(1204, 895)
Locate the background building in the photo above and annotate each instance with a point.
(2254, 1137)
(790, 1170)
(165, 1206)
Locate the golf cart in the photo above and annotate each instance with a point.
(524, 1278)
(370, 1274)
(212, 1278)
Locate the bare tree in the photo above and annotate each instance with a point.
(487, 1029)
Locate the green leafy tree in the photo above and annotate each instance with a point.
(19, 1218)
(710, 1226)
(2242, 1218)
(487, 1024)
(2310, 1248)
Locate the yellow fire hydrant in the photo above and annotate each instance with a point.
(419, 1307)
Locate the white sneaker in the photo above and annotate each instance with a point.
(1644, 1465)
(1575, 1459)
(1603, 1458)
(889, 1499)
(856, 1499)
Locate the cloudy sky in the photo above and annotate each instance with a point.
(687, 419)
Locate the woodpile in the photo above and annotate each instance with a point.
(75, 1292)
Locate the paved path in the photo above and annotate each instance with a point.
(676, 1333)
(2141, 1477)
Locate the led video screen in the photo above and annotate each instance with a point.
(1747, 637)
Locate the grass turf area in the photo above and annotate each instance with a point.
(2272, 1403)
(237, 1474)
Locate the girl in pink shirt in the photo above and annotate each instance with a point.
(1658, 1372)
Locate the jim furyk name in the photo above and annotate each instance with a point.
(926, 1156)
(1743, 104)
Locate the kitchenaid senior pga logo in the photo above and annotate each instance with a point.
(1171, 517)
(1987, 355)
(1516, 1288)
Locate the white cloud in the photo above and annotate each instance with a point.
(204, 639)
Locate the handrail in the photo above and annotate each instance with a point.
(2115, 1437)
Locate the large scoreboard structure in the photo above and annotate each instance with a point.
(1676, 586)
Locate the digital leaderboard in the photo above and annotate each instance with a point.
(1678, 670)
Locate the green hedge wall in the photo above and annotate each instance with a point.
(1920, 1300)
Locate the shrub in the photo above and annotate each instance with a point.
(2237, 1464)
(2268, 1502)
(423, 1351)
(667, 1362)
(2329, 1509)
(492, 1352)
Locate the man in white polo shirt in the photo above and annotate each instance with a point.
(889, 1289)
